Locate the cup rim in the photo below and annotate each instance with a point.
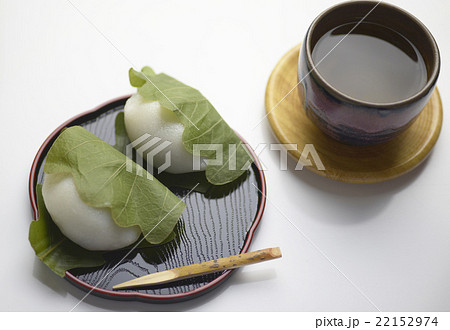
(431, 81)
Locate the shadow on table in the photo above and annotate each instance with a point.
(63, 288)
(325, 197)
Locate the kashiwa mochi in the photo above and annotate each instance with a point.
(90, 227)
(149, 117)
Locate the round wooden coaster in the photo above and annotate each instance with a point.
(355, 164)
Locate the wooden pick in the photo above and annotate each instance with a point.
(202, 268)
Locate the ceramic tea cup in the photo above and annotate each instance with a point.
(381, 105)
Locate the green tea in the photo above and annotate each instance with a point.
(370, 63)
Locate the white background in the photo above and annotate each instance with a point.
(345, 247)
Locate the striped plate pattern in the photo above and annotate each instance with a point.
(212, 226)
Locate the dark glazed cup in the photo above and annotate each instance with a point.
(347, 119)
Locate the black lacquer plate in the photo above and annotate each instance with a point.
(214, 225)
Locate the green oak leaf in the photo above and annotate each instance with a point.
(53, 248)
(193, 181)
(202, 123)
(61, 254)
(104, 177)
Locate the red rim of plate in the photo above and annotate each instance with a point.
(138, 295)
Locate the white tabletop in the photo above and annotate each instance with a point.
(345, 247)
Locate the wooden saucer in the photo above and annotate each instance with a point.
(355, 164)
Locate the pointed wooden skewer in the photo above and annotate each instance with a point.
(202, 268)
